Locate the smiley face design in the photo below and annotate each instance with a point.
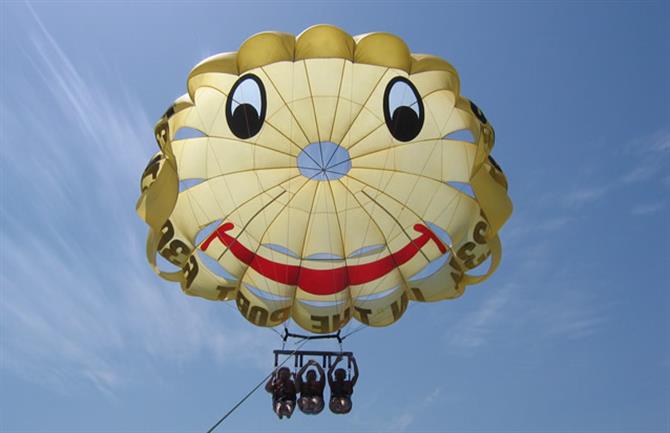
(324, 177)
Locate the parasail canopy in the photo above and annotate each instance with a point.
(321, 177)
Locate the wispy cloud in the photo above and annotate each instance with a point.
(647, 208)
(522, 226)
(572, 317)
(433, 396)
(585, 195)
(647, 161)
(403, 420)
(400, 423)
(650, 154)
(473, 330)
(78, 299)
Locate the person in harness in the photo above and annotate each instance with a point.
(311, 388)
(283, 391)
(341, 388)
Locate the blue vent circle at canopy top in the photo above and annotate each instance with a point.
(324, 160)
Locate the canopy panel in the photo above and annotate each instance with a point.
(324, 177)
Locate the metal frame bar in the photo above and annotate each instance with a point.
(288, 334)
(299, 355)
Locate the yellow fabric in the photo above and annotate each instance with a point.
(387, 222)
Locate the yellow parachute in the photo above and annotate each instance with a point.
(321, 177)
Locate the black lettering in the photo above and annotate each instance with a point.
(176, 252)
(321, 324)
(242, 303)
(398, 311)
(258, 316)
(281, 315)
(190, 271)
(479, 233)
(418, 294)
(152, 170)
(458, 275)
(339, 321)
(168, 234)
(162, 132)
(224, 291)
(465, 254)
(364, 314)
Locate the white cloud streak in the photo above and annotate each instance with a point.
(647, 208)
(473, 330)
(79, 303)
(648, 156)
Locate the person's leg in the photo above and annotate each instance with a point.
(346, 405)
(340, 405)
(290, 407)
(303, 404)
(317, 405)
(333, 404)
(276, 408)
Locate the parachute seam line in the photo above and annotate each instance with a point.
(288, 232)
(330, 242)
(275, 112)
(398, 223)
(225, 182)
(246, 170)
(311, 98)
(375, 129)
(255, 388)
(250, 199)
(337, 103)
(386, 243)
(416, 182)
(265, 219)
(381, 124)
(250, 221)
(344, 251)
(287, 106)
(265, 206)
(197, 112)
(456, 191)
(367, 99)
(404, 206)
(291, 140)
(304, 241)
(370, 220)
(254, 170)
(236, 140)
(454, 108)
(374, 288)
(267, 117)
(397, 146)
(223, 106)
(260, 243)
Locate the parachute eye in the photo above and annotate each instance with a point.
(245, 107)
(403, 109)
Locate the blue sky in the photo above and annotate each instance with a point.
(571, 334)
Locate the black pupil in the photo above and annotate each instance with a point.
(405, 124)
(246, 121)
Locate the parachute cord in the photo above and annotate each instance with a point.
(254, 389)
(277, 332)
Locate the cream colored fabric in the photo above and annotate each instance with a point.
(258, 228)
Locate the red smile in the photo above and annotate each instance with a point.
(323, 281)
